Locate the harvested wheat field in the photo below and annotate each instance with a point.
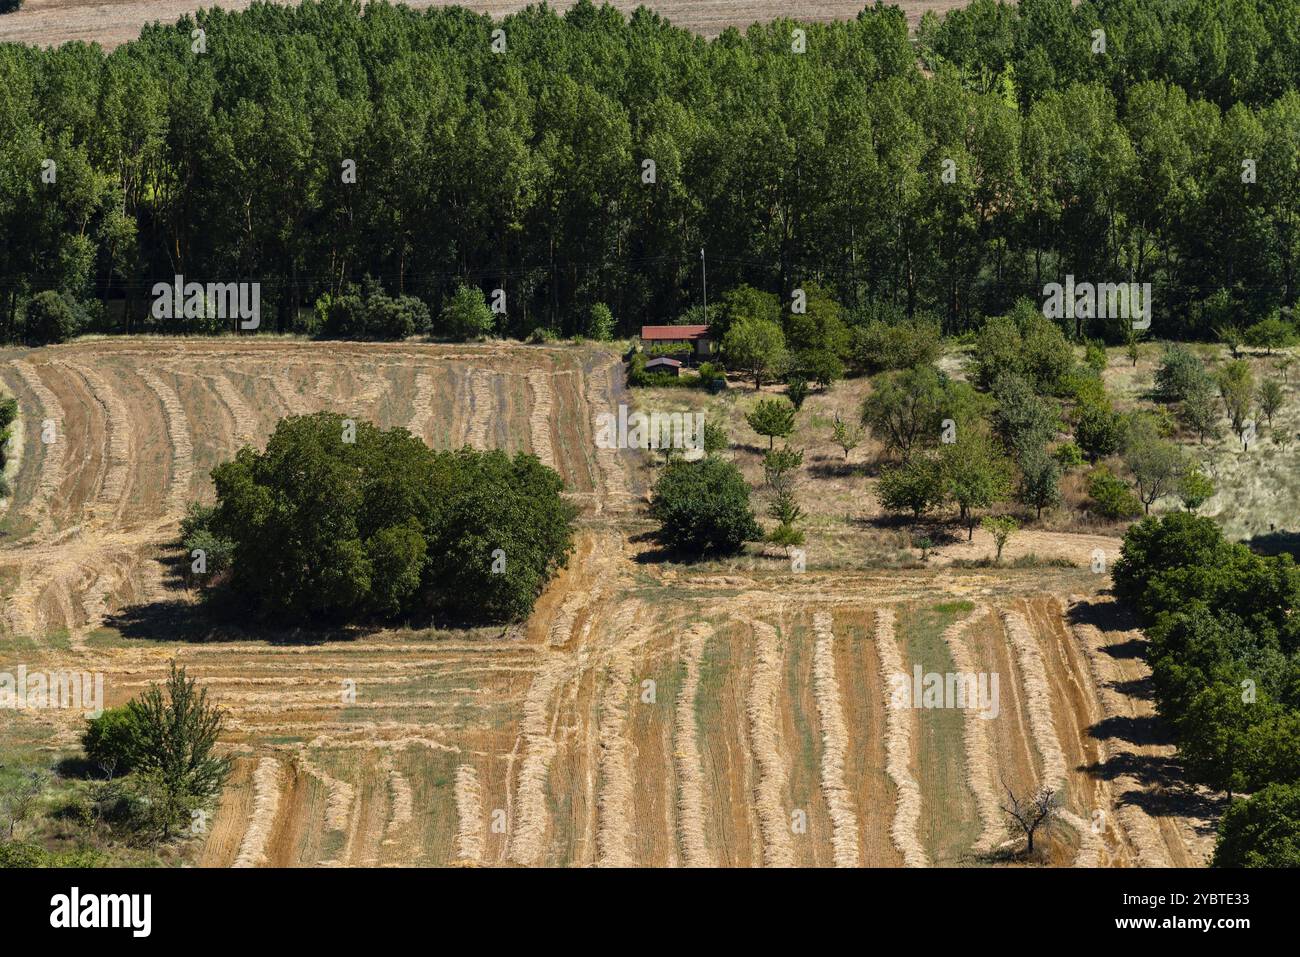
(51, 22)
(648, 713)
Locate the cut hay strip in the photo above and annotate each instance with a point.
(52, 464)
(532, 819)
(267, 780)
(690, 769)
(835, 745)
(375, 388)
(764, 684)
(1138, 826)
(1043, 727)
(111, 498)
(421, 406)
(339, 794)
(178, 433)
(539, 417)
(482, 407)
(400, 804)
(979, 751)
(613, 480)
(289, 397)
(614, 835)
(898, 749)
(246, 423)
(469, 815)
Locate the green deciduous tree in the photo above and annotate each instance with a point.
(703, 508)
(773, 418)
(755, 345)
(916, 486)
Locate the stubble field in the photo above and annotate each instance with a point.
(111, 23)
(730, 713)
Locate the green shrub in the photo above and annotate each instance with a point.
(1111, 497)
(112, 740)
(51, 318)
(702, 507)
(466, 315)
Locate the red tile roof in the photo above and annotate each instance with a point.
(662, 333)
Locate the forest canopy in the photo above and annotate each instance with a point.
(312, 148)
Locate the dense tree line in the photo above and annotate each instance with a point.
(1019, 157)
(338, 520)
(1225, 661)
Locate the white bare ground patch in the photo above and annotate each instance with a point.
(529, 832)
(421, 406)
(690, 770)
(539, 417)
(469, 815)
(339, 795)
(267, 780)
(482, 407)
(764, 685)
(979, 751)
(111, 499)
(898, 750)
(614, 835)
(246, 427)
(1042, 725)
(1138, 827)
(52, 464)
(835, 745)
(178, 430)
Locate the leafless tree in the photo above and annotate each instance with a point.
(1031, 813)
(21, 798)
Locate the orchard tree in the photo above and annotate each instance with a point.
(916, 486)
(1001, 527)
(974, 475)
(773, 418)
(755, 345)
(1270, 397)
(1040, 481)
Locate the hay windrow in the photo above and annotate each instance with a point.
(690, 770)
(111, 498)
(52, 462)
(539, 417)
(1142, 832)
(898, 749)
(979, 755)
(339, 794)
(482, 408)
(178, 434)
(532, 818)
(614, 834)
(765, 683)
(469, 815)
(401, 802)
(267, 781)
(1043, 727)
(246, 427)
(835, 745)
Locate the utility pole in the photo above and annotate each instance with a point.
(704, 274)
